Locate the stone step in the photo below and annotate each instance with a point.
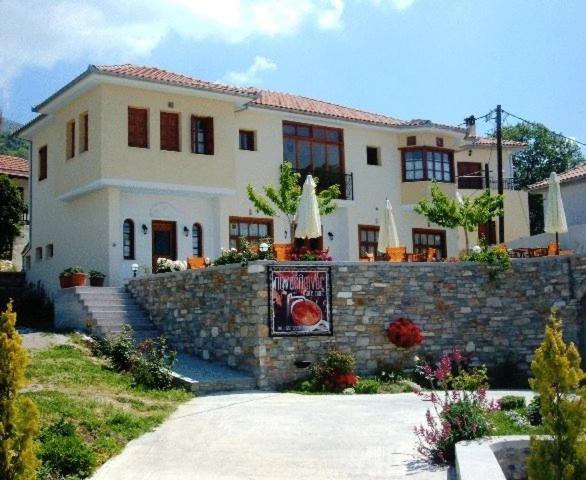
(98, 309)
(137, 315)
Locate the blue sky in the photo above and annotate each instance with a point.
(435, 59)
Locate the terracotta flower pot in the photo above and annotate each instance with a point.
(64, 281)
(78, 279)
(97, 281)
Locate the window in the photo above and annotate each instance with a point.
(27, 262)
(439, 141)
(202, 135)
(43, 163)
(411, 140)
(138, 132)
(372, 155)
(247, 140)
(128, 239)
(487, 232)
(425, 238)
(196, 240)
(428, 164)
(251, 228)
(70, 139)
(38, 254)
(84, 132)
(49, 251)
(470, 175)
(170, 131)
(368, 241)
(315, 150)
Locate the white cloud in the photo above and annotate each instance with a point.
(41, 33)
(251, 75)
(399, 5)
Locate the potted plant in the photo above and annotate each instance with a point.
(72, 277)
(96, 278)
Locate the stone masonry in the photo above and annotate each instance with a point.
(221, 313)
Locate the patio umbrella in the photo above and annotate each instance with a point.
(387, 235)
(307, 216)
(555, 216)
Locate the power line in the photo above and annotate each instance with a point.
(540, 125)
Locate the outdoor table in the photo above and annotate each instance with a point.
(520, 252)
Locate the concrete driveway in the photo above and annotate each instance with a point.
(273, 436)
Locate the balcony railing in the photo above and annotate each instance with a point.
(326, 179)
(477, 182)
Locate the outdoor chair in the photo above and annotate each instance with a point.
(431, 254)
(418, 257)
(552, 248)
(397, 254)
(193, 263)
(282, 251)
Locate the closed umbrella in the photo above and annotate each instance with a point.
(555, 216)
(308, 218)
(387, 235)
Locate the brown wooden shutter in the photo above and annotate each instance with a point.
(209, 135)
(137, 127)
(169, 131)
(43, 163)
(470, 175)
(85, 132)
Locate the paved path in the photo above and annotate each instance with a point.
(274, 436)
(34, 340)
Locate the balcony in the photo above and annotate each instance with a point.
(479, 182)
(327, 179)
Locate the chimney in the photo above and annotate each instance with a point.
(470, 126)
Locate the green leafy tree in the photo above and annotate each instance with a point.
(12, 207)
(11, 145)
(557, 378)
(282, 201)
(451, 213)
(546, 152)
(19, 417)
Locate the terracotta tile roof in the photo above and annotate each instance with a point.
(296, 103)
(575, 173)
(163, 76)
(15, 166)
(490, 141)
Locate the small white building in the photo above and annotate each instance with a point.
(133, 163)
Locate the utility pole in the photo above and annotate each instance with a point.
(499, 158)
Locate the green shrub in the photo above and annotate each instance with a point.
(336, 373)
(534, 411)
(119, 349)
(367, 385)
(152, 367)
(512, 402)
(496, 259)
(63, 452)
(470, 380)
(19, 417)
(557, 377)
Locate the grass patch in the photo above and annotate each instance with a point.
(513, 422)
(66, 382)
(365, 385)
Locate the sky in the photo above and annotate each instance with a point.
(441, 60)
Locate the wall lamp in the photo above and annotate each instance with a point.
(186, 231)
(263, 247)
(134, 269)
(145, 229)
(330, 236)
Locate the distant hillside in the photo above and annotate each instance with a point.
(9, 144)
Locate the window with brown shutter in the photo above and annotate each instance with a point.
(43, 163)
(70, 139)
(83, 134)
(202, 135)
(138, 135)
(170, 131)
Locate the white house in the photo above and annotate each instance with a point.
(132, 163)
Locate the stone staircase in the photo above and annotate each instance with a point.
(108, 309)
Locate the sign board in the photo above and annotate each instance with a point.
(300, 300)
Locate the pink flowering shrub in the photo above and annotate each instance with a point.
(457, 414)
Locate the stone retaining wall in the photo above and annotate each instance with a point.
(221, 313)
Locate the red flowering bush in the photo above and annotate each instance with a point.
(336, 373)
(460, 414)
(304, 254)
(404, 333)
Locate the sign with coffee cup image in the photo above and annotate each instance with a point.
(300, 300)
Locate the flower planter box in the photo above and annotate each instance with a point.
(65, 281)
(78, 279)
(97, 281)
